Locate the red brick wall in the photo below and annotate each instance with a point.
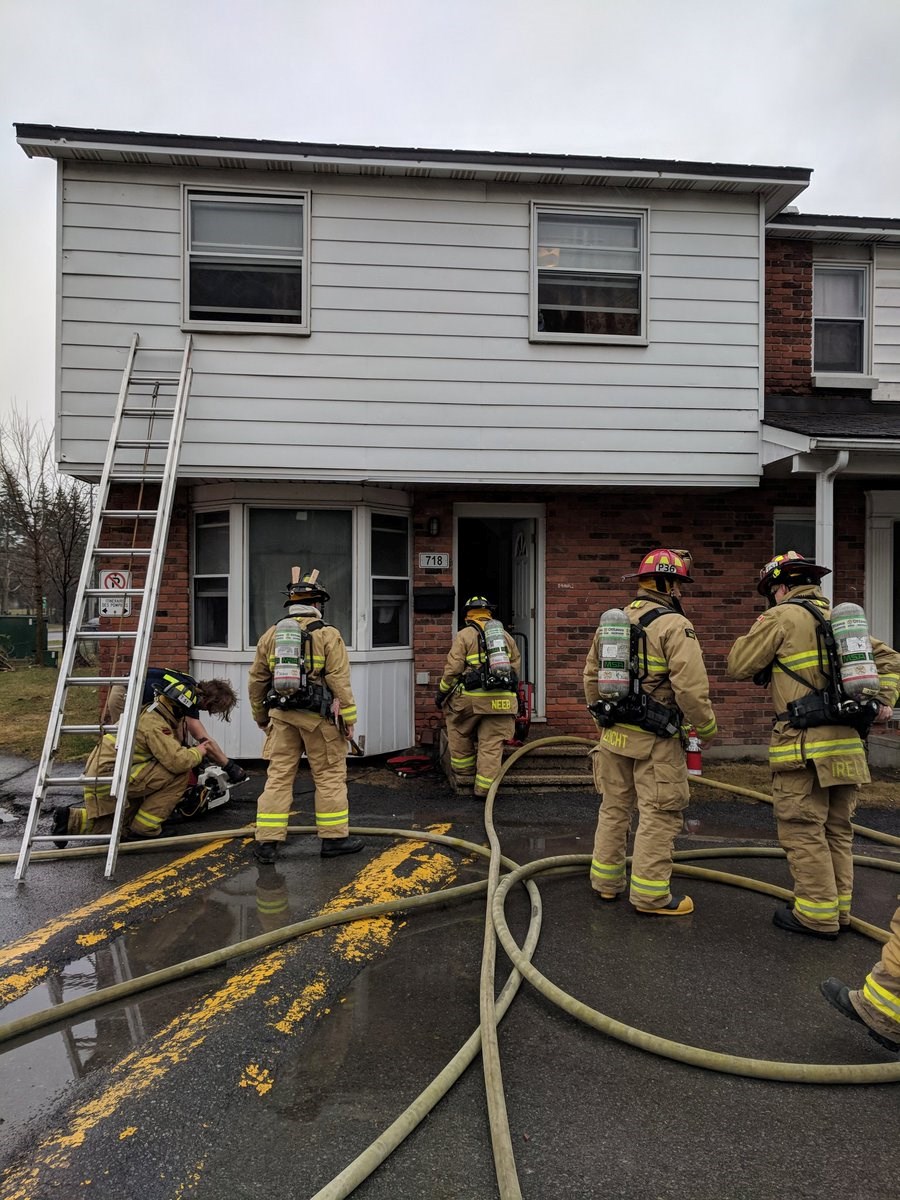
(592, 540)
(171, 629)
(788, 317)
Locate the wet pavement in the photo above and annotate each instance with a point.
(267, 1075)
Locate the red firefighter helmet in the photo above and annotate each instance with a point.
(664, 563)
(785, 568)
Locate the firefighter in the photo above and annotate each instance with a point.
(479, 704)
(877, 1003)
(159, 773)
(319, 720)
(816, 771)
(639, 760)
(215, 696)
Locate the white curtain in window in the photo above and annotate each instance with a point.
(246, 227)
(839, 294)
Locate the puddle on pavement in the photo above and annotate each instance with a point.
(37, 1072)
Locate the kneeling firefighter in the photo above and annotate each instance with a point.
(160, 771)
(300, 695)
(478, 694)
(824, 703)
(645, 682)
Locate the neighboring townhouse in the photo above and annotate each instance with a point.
(431, 373)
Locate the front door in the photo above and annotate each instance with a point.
(499, 549)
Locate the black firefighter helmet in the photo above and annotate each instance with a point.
(305, 589)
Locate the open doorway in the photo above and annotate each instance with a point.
(498, 548)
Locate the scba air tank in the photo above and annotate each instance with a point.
(497, 650)
(288, 672)
(859, 675)
(614, 644)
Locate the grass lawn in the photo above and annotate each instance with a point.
(26, 697)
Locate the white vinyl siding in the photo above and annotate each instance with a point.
(886, 322)
(419, 366)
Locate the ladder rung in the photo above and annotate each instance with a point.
(70, 837)
(115, 477)
(152, 377)
(142, 444)
(95, 680)
(110, 594)
(147, 410)
(76, 780)
(123, 513)
(88, 728)
(122, 551)
(100, 635)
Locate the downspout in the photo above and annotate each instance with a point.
(825, 516)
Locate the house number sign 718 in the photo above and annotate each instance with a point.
(439, 562)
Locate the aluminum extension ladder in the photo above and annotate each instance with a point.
(144, 450)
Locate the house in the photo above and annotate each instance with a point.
(431, 373)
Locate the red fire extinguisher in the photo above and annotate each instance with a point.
(693, 755)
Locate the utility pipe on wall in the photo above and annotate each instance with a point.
(825, 517)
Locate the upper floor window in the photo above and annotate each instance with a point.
(840, 319)
(588, 275)
(246, 261)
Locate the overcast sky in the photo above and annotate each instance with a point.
(808, 83)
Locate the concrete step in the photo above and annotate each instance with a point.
(552, 767)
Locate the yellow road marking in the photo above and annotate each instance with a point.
(170, 1047)
(114, 907)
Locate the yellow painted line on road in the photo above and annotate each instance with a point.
(148, 1067)
(114, 909)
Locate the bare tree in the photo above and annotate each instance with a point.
(47, 516)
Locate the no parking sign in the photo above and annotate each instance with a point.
(113, 582)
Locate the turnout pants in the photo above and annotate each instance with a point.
(657, 787)
(814, 829)
(878, 1001)
(151, 798)
(288, 736)
(476, 741)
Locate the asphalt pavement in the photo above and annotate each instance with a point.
(267, 1075)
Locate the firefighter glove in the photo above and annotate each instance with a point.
(235, 772)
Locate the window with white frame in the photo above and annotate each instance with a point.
(211, 575)
(390, 580)
(588, 274)
(840, 318)
(246, 260)
(795, 529)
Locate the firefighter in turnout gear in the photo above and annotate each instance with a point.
(877, 1003)
(817, 768)
(639, 761)
(478, 695)
(317, 717)
(160, 769)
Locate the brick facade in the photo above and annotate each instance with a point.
(592, 540)
(789, 280)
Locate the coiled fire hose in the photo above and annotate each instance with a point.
(493, 1009)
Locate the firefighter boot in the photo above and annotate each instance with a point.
(265, 852)
(838, 996)
(678, 906)
(784, 918)
(331, 847)
(60, 825)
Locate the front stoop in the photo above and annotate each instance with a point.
(550, 767)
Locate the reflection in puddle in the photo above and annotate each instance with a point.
(37, 1073)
